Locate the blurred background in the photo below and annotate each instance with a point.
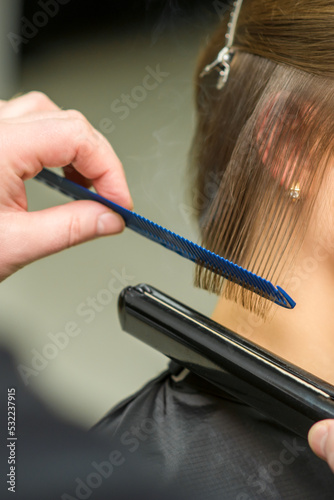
(95, 56)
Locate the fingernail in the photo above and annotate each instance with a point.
(319, 436)
(131, 205)
(109, 223)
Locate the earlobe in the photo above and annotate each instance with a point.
(278, 139)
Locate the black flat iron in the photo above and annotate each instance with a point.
(291, 396)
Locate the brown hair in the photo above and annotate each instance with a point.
(268, 132)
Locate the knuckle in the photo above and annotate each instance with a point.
(74, 231)
(85, 145)
(77, 116)
(39, 99)
(81, 126)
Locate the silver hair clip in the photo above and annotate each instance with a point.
(223, 61)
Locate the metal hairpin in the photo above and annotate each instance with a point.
(223, 60)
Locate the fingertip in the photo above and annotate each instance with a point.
(317, 438)
(124, 199)
(131, 204)
(109, 223)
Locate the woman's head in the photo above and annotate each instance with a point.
(264, 142)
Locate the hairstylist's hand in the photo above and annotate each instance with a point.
(321, 440)
(34, 133)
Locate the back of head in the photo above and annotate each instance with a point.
(264, 142)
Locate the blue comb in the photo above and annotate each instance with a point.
(174, 242)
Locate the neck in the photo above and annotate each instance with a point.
(303, 336)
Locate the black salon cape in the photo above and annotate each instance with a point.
(58, 461)
(191, 433)
(175, 435)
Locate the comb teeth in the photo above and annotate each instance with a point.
(209, 260)
(174, 242)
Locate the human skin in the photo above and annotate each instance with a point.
(304, 335)
(321, 440)
(35, 133)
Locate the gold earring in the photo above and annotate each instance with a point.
(294, 191)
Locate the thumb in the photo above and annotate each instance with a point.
(321, 440)
(34, 235)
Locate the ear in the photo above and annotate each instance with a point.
(282, 116)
